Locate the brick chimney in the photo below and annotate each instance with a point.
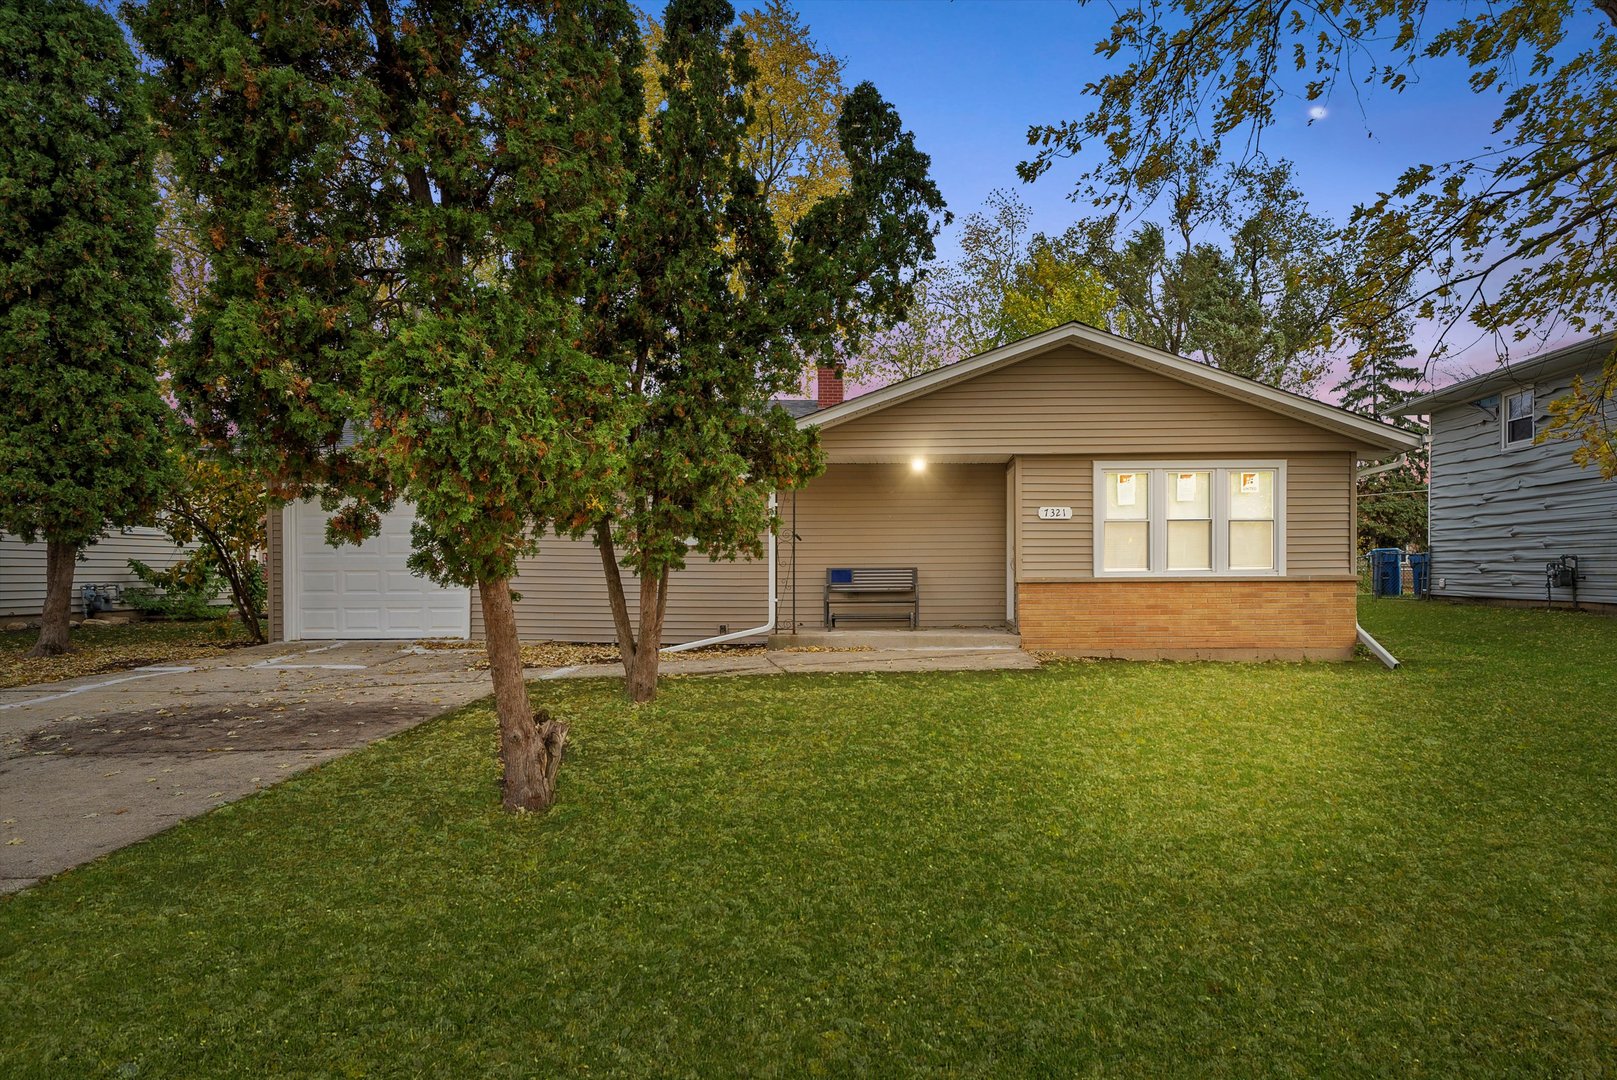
(828, 386)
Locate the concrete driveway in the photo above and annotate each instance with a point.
(90, 765)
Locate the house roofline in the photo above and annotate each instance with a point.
(1521, 373)
(1375, 434)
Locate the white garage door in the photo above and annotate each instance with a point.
(365, 591)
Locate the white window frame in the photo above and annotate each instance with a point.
(1158, 516)
(1505, 441)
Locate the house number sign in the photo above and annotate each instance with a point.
(1055, 513)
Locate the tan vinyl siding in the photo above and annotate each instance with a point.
(1068, 401)
(949, 521)
(275, 574)
(1056, 550)
(564, 597)
(106, 562)
(1319, 515)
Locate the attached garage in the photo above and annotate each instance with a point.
(362, 592)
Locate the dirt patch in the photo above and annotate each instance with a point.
(102, 649)
(268, 725)
(555, 654)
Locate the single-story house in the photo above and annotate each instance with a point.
(104, 565)
(1503, 505)
(1098, 496)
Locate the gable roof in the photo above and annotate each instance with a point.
(1373, 436)
(1521, 374)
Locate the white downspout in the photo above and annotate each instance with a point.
(766, 628)
(1376, 648)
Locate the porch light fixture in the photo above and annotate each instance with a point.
(918, 464)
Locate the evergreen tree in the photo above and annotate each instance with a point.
(400, 200)
(1392, 502)
(707, 317)
(1381, 381)
(83, 291)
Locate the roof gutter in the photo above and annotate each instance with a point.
(766, 628)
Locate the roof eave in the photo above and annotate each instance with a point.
(1557, 362)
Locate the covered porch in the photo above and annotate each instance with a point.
(945, 519)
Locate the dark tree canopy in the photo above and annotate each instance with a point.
(1513, 238)
(83, 288)
(1006, 284)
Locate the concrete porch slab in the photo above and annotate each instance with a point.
(964, 637)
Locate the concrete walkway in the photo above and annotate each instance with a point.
(90, 765)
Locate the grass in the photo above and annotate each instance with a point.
(98, 649)
(1093, 869)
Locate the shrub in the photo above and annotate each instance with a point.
(185, 590)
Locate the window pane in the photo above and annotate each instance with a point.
(1189, 495)
(1128, 496)
(1519, 430)
(1520, 404)
(1252, 545)
(1252, 494)
(1190, 545)
(1128, 545)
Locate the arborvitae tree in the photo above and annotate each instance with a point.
(83, 291)
(708, 319)
(795, 97)
(400, 200)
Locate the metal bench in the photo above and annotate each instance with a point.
(889, 586)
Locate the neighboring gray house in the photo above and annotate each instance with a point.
(1503, 505)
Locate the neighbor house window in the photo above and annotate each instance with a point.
(1519, 418)
(1189, 520)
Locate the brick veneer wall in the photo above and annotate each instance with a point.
(1213, 620)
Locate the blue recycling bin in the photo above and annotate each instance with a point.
(1420, 573)
(1386, 575)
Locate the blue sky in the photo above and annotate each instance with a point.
(969, 76)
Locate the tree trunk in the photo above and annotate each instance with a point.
(60, 558)
(530, 744)
(614, 595)
(235, 574)
(642, 682)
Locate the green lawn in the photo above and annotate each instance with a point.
(1094, 869)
